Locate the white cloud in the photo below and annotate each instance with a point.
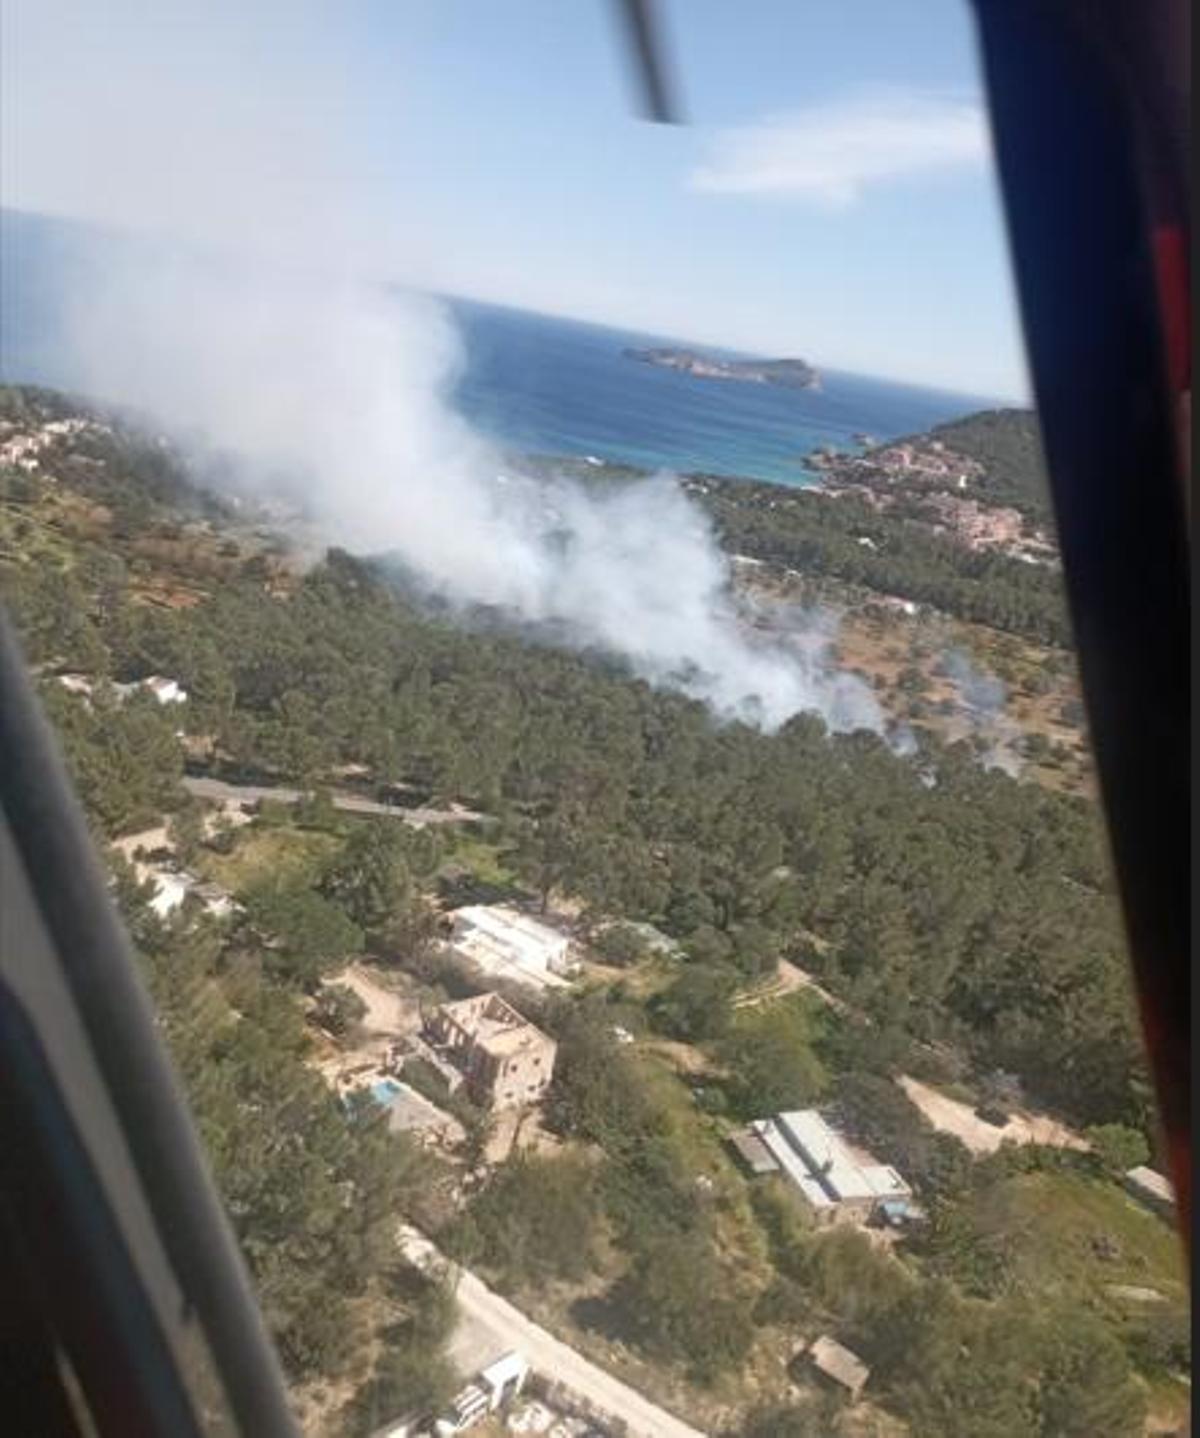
(829, 154)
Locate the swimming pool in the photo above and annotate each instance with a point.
(384, 1092)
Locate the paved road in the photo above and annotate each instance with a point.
(544, 1353)
(223, 793)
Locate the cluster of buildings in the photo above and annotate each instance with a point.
(19, 449)
(481, 1046)
(931, 461)
(497, 1385)
(500, 1392)
(976, 525)
(173, 886)
(928, 461)
(153, 859)
(158, 686)
(837, 1181)
(940, 476)
(166, 691)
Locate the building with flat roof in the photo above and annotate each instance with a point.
(837, 1182)
(497, 1385)
(1151, 1187)
(837, 1363)
(504, 1059)
(508, 944)
(752, 1153)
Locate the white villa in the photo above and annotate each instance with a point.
(504, 942)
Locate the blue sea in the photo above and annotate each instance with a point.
(553, 386)
(534, 383)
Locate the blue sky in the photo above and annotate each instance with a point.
(832, 195)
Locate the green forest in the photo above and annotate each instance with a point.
(951, 903)
(805, 531)
(966, 920)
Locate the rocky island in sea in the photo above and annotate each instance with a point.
(789, 373)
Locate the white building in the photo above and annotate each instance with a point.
(499, 1383)
(507, 943)
(166, 691)
(837, 1183)
(173, 886)
(1151, 1187)
(76, 684)
(170, 890)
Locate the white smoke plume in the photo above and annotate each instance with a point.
(241, 128)
(983, 696)
(341, 389)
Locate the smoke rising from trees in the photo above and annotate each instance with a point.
(306, 372)
(338, 392)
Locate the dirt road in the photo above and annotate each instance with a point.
(951, 1116)
(223, 793)
(486, 1312)
(789, 978)
(387, 1012)
(946, 1114)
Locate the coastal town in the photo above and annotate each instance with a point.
(932, 484)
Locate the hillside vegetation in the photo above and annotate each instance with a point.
(965, 921)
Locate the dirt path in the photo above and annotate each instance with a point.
(950, 1116)
(946, 1114)
(487, 1312)
(147, 840)
(225, 793)
(387, 1011)
(789, 978)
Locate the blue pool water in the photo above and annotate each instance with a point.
(384, 1092)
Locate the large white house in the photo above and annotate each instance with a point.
(838, 1182)
(172, 887)
(505, 942)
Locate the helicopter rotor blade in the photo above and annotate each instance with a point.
(643, 33)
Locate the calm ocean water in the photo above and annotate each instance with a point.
(554, 386)
(536, 384)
